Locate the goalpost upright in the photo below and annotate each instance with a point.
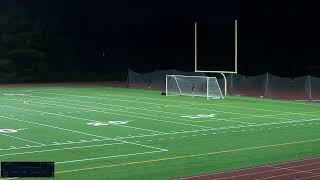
(221, 72)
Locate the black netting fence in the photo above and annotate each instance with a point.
(271, 86)
(266, 85)
(315, 88)
(155, 79)
(247, 86)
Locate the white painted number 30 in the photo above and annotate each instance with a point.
(199, 116)
(107, 123)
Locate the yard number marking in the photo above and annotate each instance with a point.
(11, 130)
(107, 123)
(11, 94)
(199, 116)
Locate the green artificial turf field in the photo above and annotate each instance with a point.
(114, 133)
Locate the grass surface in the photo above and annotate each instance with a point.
(113, 133)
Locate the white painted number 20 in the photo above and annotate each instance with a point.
(8, 131)
(107, 123)
(199, 116)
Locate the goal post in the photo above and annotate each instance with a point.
(202, 86)
(222, 72)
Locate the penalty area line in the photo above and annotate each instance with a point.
(191, 156)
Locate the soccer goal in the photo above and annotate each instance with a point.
(203, 86)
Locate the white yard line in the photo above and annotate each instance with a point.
(178, 106)
(207, 104)
(22, 139)
(149, 114)
(108, 157)
(48, 145)
(273, 100)
(185, 107)
(73, 117)
(59, 149)
(263, 116)
(79, 132)
(181, 101)
(188, 131)
(217, 129)
(125, 114)
(143, 109)
(140, 128)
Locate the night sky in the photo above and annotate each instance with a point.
(113, 35)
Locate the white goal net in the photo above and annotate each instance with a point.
(177, 85)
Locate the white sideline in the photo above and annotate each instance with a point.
(79, 132)
(22, 139)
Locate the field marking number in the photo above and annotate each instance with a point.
(10, 130)
(107, 123)
(198, 116)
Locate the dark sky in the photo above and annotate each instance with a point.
(281, 38)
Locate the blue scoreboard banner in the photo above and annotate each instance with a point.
(27, 169)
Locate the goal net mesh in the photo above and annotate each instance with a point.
(177, 85)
